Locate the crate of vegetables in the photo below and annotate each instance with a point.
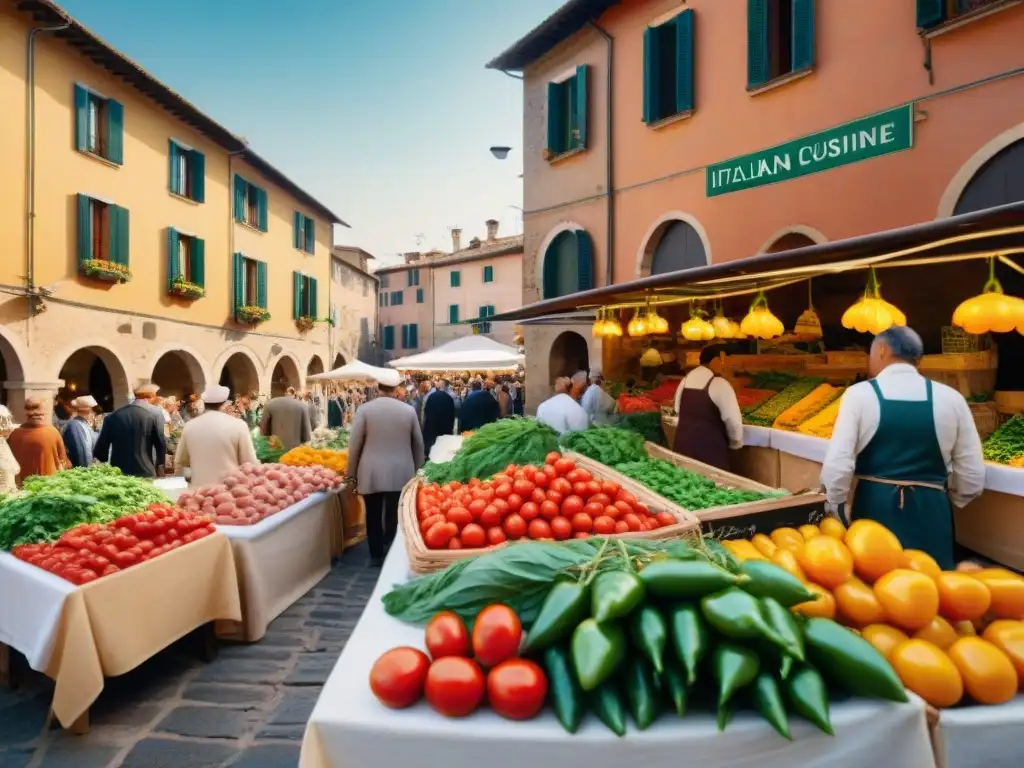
(557, 500)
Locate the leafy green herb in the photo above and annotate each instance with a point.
(493, 447)
(1006, 443)
(689, 490)
(608, 445)
(646, 424)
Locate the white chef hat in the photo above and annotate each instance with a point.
(388, 378)
(216, 394)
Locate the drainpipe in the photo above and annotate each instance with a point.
(30, 171)
(609, 157)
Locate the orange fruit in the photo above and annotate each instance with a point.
(743, 550)
(786, 560)
(883, 637)
(809, 531)
(965, 629)
(989, 675)
(928, 672)
(962, 597)
(1007, 590)
(1008, 636)
(823, 606)
(857, 604)
(832, 527)
(826, 561)
(922, 562)
(764, 544)
(910, 599)
(875, 549)
(968, 566)
(938, 632)
(787, 538)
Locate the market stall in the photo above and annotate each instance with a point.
(357, 370)
(467, 353)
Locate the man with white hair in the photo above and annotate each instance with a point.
(912, 446)
(213, 443)
(598, 404)
(78, 433)
(561, 412)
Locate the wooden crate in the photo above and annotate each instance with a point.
(986, 418)
(859, 359)
(1009, 402)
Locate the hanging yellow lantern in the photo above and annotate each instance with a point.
(760, 322)
(597, 330)
(637, 325)
(734, 331)
(723, 326)
(992, 311)
(656, 324)
(697, 329)
(872, 314)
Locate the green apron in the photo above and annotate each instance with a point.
(902, 478)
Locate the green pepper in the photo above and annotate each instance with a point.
(563, 691)
(640, 692)
(689, 638)
(606, 701)
(614, 594)
(807, 694)
(682, 550)
(784, 625)
(852, 661)
(565, 606)
(650, 635)
(736, 614)
(724, 714)
(686, 579)
(769, 580)
(597, 652)
(735, 667)
(674, 682)
(768, 702)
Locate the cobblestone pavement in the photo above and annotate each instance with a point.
(246, 709)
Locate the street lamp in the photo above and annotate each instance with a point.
(500, 152)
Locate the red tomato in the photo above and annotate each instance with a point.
(561, 485)
(549, 470)
(541, 480)
(503, 490)
(476, 508)
(561, 529)
(623, 507)
(556, 497)
(626, 496)
(446, 635)
(473, 536)
(574, 476)
(427, 523)
(455, 543)
(440, 534)
(564, 466)
(593, 509)
(552, 457)
(522, 487)
(633, 522)
(397, 678)
(581, 535)
(496, 635)
(593, 488)
(549, 510)
(580, 489)
(604, 524)
(601, 498)
(501, 505)
(460, 516)
(538, 496)
(491, 516)
(496, 536)
(516, 689)
(515, 501)
(666, 518)
(581, 522)
(529, 511)
(539, 529)
(515, 525)
(610, 487)
(572, 505)
(621, 526)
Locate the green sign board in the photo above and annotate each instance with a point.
(863, 139)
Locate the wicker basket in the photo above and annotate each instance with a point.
(986, 418)
(424, 560)
(957, 340)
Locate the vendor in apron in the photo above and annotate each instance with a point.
(710, 421)
(910, 445)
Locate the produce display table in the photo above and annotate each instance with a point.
(80, 635)
(350, 729)
(279, 559)
(980, 737)
(444, 448)
(172, 486)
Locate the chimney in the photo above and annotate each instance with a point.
(456, 239)
(412, 256)
(492, 229)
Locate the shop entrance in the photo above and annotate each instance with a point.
(569, 353)
(339, 360)
(316, 365)
(179, 374)
(93, 371)
(239, 375)
(675, 245)
(998, 182)
(285, 375)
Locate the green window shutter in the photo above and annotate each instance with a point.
(405, 337)
(313, 310)
(803, 34)
(197, 257)
(454, 279)
(172, 156)
(296, 295)
(119, 235)
(197, 164)
(488, 274)
(930, 13)
(453, 313)
(550, 275)
(261, 205)
(296, 230)
(409, 279)
(414, 336)
(310, 235)
(81, 119)
(419, 295)
(115, 132)
(240, 186)
(389, 337)
(173, 256)
(580, 84)
(557, 118)
(84, 228)
(757, 43)
(238, 278)
(684, 60)
(585, 260)
(652, 75)
(261, 284)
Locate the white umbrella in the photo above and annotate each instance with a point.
(467, 353)
(357, 370)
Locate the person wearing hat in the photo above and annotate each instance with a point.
(78, 433)
(213, 444)
(287, 418)
(598, 404)
(385, 449)
(37, 446)
(132, 438)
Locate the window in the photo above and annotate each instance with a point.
(414, 276)
(668, 68)
(102, 231)
(303, 233)
(932, 13)
(389, 337)
(250, 204)
(99, 125)
(304, 294)
(250, 282)
(186, 259)
(396, 298)
(567, 114)
(383, 300)
(780, 39)
(488, 274)
(187, 172)
(410, 336)
(455, 278)
(486, 311)
(453, 313)
(384, 281)
(419, 295)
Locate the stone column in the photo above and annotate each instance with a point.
(20, 391)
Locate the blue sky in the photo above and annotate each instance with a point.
(382, 110)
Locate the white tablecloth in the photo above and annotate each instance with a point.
(172, 486)
(350, 729)
(798, 444)
(1004, 479)
(757, 437)
(31, 604)
(981, 737)
(445, 448)
(280, 559)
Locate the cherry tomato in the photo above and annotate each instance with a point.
(621, 526)
(522, 487)
(552, 457)
(539, 529)
(529, 511)
(496, 635)
(503, 490)
(496, 536)
(491, 516)
(473, 536)
(633, 522)
(666, 518)
(440, 534)
(541, 480)
(515, 525)
(446, 635)
(613, 512)
(476, 508)
(564, 466)
(626, 496)
(561, 485)
(581, 535)
(572, 505)
(548, 510)
(581, 522)
(556, 497)
(515, 501)
(561, 528)
(538, 496)
(593, 488)
(516, 689)
(455, 543)
(593, 509)
(604, 524)
(397, 678)
(610, 487)
(455, 686)
(600, 498)
(460, 516)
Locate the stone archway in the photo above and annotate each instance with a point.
(791, 237)
(12, 371)
(999, 181)
(178, 373)
(285, 374)
(569, 354)
(97, 371)
(675, 241)
(978, 162)
(565, 262)
(315, 365)
(339, 360)
(239, 374)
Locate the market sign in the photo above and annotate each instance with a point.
(863, 139)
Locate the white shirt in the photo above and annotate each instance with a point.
(597, 403)
(858, 420)
(562, 414)
(722, 395)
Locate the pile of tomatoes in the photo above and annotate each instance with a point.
(89, 551)
(452, 677)
(555, 501)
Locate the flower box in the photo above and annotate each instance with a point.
(305, 324)
(100, 269)
(186, 290)
(251, 315)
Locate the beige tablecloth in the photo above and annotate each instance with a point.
(114, 624)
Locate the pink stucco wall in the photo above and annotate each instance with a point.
(407, 312)
(502, 293)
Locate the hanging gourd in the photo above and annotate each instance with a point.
(723, 325)
(872, 314)
(651, 358)
(697, 328)
(734, 331)
(598, 329)
(992, 311)
(656, 324)
(637, 324)
(760, 322)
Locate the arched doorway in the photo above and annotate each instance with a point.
(178, 373)
(11, 369)
(789, 241)
(285, 375)
(676, 245)
(339, 360)
(569, 353)
(94, 371)
(568, 264)
(998, 182)
(239, 375)
(315, 366)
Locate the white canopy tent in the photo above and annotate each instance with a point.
(467, 353)
(357, 370)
